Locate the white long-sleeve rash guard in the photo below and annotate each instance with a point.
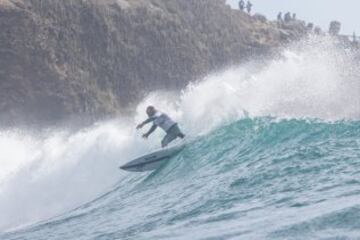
(163, 121)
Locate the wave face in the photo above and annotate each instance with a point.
(273, 154)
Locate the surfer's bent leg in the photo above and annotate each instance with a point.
(178, 131)
(171, 135)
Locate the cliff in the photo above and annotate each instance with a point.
(96, 58)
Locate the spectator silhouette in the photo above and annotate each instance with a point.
(241, 5)
(354, 37)
(310, 27)
(317, 30)
(279, 17)
(287, 17)
(335, 27)
(248, 6)
(355, 42)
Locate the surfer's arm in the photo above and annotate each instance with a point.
(145, 122)
(151, 130)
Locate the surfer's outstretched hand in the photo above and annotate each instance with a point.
(139, 126)
(145, 136)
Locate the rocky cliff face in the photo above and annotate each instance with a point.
(94, 58)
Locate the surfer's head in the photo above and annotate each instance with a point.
(150, 111)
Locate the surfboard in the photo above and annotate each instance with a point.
(152, 161)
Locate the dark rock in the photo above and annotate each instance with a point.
(96, 58)
(259, 17)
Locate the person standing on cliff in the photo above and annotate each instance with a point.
(163, 121)
(248, 6)
(354, 38)
(241, 5)
(279, 17)
(287, 17)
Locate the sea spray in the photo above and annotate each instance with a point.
(49, 175)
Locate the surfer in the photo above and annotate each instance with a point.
(163, 121)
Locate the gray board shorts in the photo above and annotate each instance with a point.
(171, 135)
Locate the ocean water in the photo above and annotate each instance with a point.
(272, 153)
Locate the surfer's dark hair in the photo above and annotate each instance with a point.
(150, 109)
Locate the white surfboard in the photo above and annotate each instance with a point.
(153, 160)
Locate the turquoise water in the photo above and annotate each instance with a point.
(256, 178)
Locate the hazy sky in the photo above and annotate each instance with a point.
(320, 12)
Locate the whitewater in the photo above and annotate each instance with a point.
(273, 153)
